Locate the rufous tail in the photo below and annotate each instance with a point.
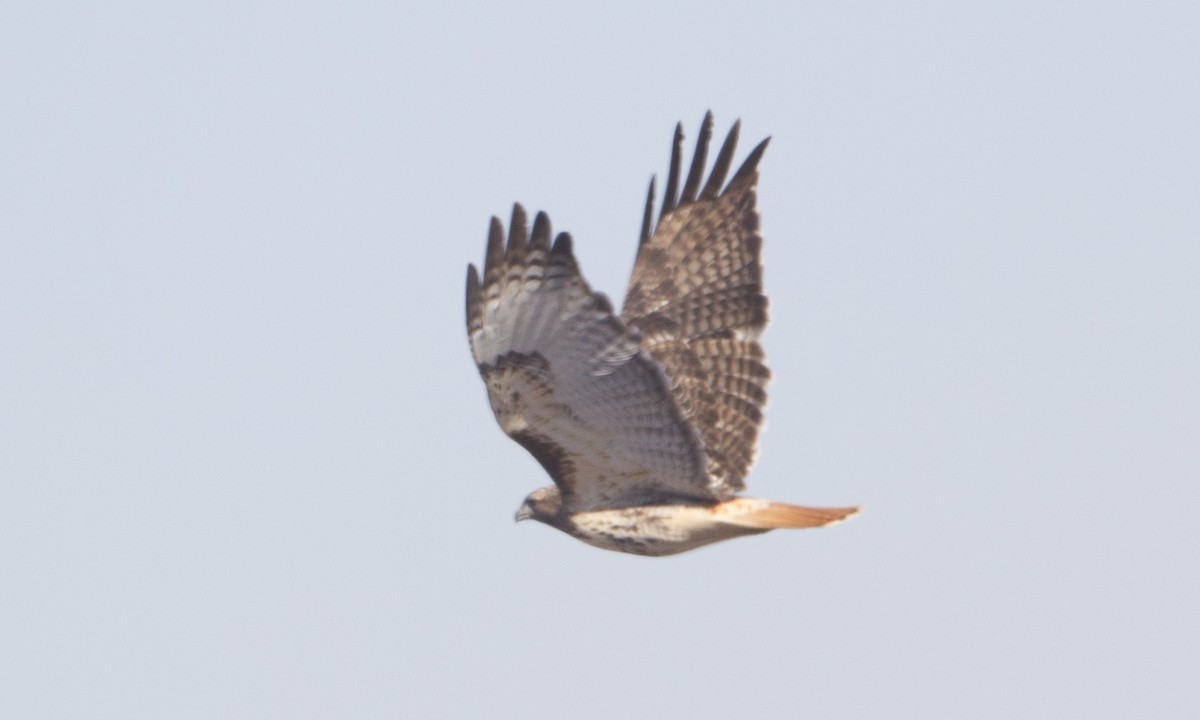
(768, 515)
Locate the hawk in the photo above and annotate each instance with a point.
(647, 421)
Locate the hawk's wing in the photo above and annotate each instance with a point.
(696, 296)
(569, 381)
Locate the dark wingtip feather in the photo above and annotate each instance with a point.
(647, 215)
(495, 249)
(720, 170)
(749, 169)
(696, 172)
(562, 245)
(671, 196)
(674, 197)
(540, 240)
(518, 234)
(473, 294)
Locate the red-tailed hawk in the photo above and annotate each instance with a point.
(648, 421)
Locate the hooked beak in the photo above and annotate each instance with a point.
(523, 513)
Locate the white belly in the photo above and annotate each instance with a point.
(654, 529)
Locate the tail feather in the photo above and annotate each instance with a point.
(768, 515)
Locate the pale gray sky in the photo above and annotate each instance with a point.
(247, 468)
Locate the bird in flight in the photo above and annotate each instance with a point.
(647, 421)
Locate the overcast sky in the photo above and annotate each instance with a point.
(248, 469)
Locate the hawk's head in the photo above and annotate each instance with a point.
(543, 505)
